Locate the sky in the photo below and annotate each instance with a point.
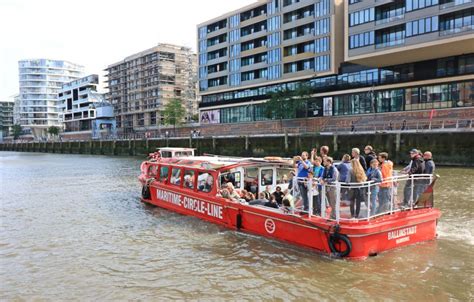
(96, 33)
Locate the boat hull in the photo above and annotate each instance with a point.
(366, 238)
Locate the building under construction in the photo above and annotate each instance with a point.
(142, 84)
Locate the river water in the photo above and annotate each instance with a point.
(73, 228)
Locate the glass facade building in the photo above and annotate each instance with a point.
(388, 57)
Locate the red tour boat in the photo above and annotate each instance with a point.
(177, 180)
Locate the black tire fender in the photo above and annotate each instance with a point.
(334, 239)
(146, 192)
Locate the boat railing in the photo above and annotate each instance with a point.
(339, 200)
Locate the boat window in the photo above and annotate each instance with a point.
(164, 173)
(283, 175)
(189, 179)
(251, 179)
(152, 171)
(232, 177)
(182, 153)
(166, 154)
(267, 177)
(176, 176)
(205, 182)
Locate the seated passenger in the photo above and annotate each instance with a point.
(207, 186)
(188, 182)
(278, 195)
(232, 193)
(289, 198)
(268, 192)
(261, 201)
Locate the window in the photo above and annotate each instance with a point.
(274, 72)
(322, 63)
(322, 45)
(282, 175)
(422, 26)
(321, 27)
(189, 179)
(175, 176)
(361, 40)
(153, 170)
(419, 4)
(164, 173)
(232, 177)
(361, 17)
(273, 23)
(322, 8)
(266, 177)
(273, 39)
(205, 182)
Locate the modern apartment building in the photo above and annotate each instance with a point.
(366, 67)
(40, 82)
(384, 33)
(6, 116)
(84, 109)
(142, 84)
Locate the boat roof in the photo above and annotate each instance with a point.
(174, 149)
(221, 162)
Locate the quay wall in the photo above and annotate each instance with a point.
(448, 148)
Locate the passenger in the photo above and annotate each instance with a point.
(357, 193)
(207, 186)
(374, 174)
(188, 182)
(267, 192)
(288, 198)
(314, 154)
(324, 152)
(429, 163)
(330, 177)
(262, 200)
(291, 179)
(360, 158)
(303, 166)
(318, 171)
(249, 196)
(316, 201)
(278, 195)
(429, 168)
(386, 168)
(232, 193)
(416, 168)
(369, 155)
(224, 193)
(288, 201)
(272, 203)
(344, 169)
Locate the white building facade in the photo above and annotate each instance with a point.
(40, 83)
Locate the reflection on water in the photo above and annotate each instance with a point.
(72, 227)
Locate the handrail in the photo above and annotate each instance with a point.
(371, 193)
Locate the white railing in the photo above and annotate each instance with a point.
(341, 201)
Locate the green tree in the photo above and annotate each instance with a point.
(284, 103)
(53, 130)
(174, 112)
(17, 131)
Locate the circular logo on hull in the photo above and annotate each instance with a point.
(270, 226)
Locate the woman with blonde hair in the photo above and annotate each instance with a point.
(356, 195)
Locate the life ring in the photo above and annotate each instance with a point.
(335, 240)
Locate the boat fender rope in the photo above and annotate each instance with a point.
(335, 238)
(146, 194)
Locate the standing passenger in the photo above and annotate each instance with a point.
(303, 167)
(357, 194)
(360, 158)
(324, 151)
(329, 178)
(386, 167)
(416, 167)
(374, 174)
(369, 155)
(429, 167)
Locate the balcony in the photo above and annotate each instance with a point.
(456, 30)
(454, 3)
(390, 43)
(391, 19)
